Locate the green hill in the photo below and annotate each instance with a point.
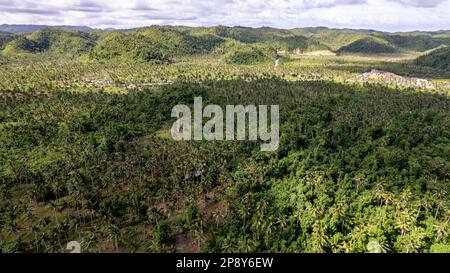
(336, 39)
(129, 47)
(414, 42)
(332, 38)
(439, 58)
(292, 43)
(244, 34)
(51, 40)
(281, 39)
(240, 45)
(368, 45)
(178, 42)
(240, 53)
(172, 41)
(153, 44)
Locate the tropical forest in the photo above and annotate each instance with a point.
(87, 154)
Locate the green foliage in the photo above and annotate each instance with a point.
(10, 247)
(360, 167)
(180, 43)
(4, 39)
(51, 40)
(21, 45)
(440, 248)
(368, 45)
(168, 42)
(282, 40)
(129, 48)
(292, 43)
(439, 58)
(162, 233)
(420, 42)
(355, 165)
(248, 54)
(154, 45)
(240, 34)
(332, 38)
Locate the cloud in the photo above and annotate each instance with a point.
(143, 5)
(330, 4)
(6, 2)
(14, 10)
(420, 3)
(166, 18)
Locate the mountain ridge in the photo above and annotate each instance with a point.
(28, 28)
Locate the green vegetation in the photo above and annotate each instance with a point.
(167, 43)
(181, 43)
(86, 152)
(236, 53)
(368, 45)
(5, 38)
(51, 40)
(415, 42)
(439, 58)
(120, 46)
(332, 38)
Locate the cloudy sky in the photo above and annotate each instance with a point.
(388, 15)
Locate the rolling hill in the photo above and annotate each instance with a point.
(280, 39)
(240, 53)
(128, 47)
(161, 43)
(332, 38)
(439, 58)
(177, 42)
(51, 40)
(415, 41)
(368, 45)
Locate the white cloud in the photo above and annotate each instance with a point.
(420, 3)
(385, 14)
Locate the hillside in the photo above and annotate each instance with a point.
(153, 44)
(439, 58)
(332, 38)
(179, 42)
(51, 40)
(368, 45)
(280, 39)
(175, 41)
(414, 42)
(129, 47)
(409, 41)
(239, 53)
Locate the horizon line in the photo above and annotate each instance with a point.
(219, 25)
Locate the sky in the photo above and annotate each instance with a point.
(386, 15)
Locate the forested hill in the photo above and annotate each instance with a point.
(439, 58)
(161, 44)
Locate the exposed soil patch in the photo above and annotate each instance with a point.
(320, 53)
